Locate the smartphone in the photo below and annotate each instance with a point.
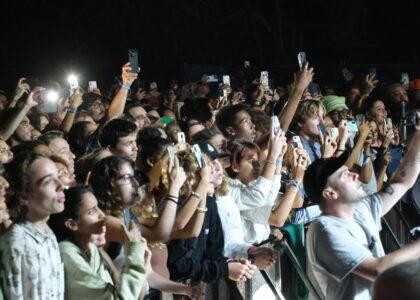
(92, 86)
(334, 133)
(171, 154)
(264, 78)
(297, 142)
(50, 99)
(246, 64)
(388, 123)
(181, 137)
(352, 126)
(212, 78)
(323, 130)
(153, 86)
(198, 156)
(302, 59)
(372, 72)
(74, 82)
(405, 80)
(226, 79)
(360, 118)
(133, 59)
(275, 123)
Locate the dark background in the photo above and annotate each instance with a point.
(50, 38)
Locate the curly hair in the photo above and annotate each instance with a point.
(101, 178)
(17, 174)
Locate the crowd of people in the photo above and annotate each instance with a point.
(138, 192)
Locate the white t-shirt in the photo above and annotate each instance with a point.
(335, 247)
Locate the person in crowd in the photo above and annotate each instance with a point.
(235, 123)
(59, 146)
(344, 251)
(135, 109)
(87, 270)
(31, 267)
(5, 154)
(119, 137)
(255, 188)
(116, 189)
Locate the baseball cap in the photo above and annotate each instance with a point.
(316, 176)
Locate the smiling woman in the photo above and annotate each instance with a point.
(82, 222)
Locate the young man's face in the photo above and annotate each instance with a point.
(347, 185)
(126, 186)
(310, 126)
(140, 115)
(398, 94)
(127, 146)
(46, 196)
(244, 128)
(61, 148)
(23, 131)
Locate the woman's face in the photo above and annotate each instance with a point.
(217, 173)
(249, 168)
(43, 122)
(379, 112)
(372, 137)
(126, 186)
(90, 223)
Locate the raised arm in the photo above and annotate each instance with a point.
(161, 230)
(303, 79)
(10, 125)
(363, 133)
(74, 102)
(117, 105)
(406, 174)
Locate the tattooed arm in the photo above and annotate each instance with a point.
(406, 174)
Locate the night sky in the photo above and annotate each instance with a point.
(51, 38)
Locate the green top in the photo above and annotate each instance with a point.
(91, 279)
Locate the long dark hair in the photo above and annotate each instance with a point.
(101, 178)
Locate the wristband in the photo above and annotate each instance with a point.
(172, 200)
(125, 86)
(342, 150)
(270, 162)
(195, 194)
(71, 110)
(294, 183)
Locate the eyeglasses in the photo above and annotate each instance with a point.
(126, 179)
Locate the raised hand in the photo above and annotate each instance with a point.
(328, 147)
(369, 84)
(127, 75)
(21, 88)
(177, 174)
(34, 97)
(133, 234)
(304, 77)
